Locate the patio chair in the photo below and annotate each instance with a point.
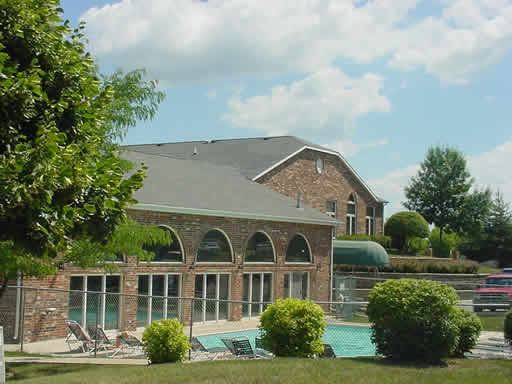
(100, 339)
(328, 352)
(80, 336)
(210, 353)
(129, 344)
(260, 349)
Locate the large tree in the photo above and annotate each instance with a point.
(63, 184)
(440, 191)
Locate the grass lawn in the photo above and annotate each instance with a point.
(296, 371)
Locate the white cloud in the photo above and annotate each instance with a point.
(186, 40)
(490, 169)
(348, 148)
(316, 104)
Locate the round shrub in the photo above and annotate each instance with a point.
(293, 327)
(164, 341)
(469, 326)
(413, 320)
(508, 327)
(403, 225)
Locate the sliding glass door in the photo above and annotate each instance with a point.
(257, 289)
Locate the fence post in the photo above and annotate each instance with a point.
(23, 294)
(98, 299)
(191, 322)
(2, 359)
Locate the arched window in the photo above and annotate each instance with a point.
(259, 249)
(298, 250)
(168, 253)
(215, 247)
(351, 215)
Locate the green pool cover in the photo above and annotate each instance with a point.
(359, 253)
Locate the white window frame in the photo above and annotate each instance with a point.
(175, 233)
(217, 294)
(260, 262)
(334, 213)
(351, 217)
(320, 165)
(103, 292)
(262, 274)
(166, 297)
(370, 222)
(217, 262)
(290, 285)
(309, 249)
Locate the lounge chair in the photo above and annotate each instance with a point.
(328, 352)
(129, 344)
(242, 347)
(78, 335)
(210, 353)
(101, 340)
(260, 349)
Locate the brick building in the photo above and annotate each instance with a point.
(251, 220)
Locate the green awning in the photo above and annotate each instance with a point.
(359, 253)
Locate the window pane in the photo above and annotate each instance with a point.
(223, 295)
(76, 299)
(298, 250)
(93, 300)
(331, 206)
(214, 248)
(170, 253)
(267, 288)
(112, 285)
(256, 293)
(142, 302)
(173, 291)
(286, 289)
(211, 293)
(198, 304)
(351, 209)
(157, 306)
(304, 285)
(259, 249)
(370, 211)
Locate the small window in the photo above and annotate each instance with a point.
(167, 253)
(351, 216)
(370, 221)
(319, 165)
(331, 208)
(259, 249)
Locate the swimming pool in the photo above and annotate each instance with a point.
(346, 340)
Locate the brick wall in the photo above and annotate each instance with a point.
(43, 322)
(336, 182)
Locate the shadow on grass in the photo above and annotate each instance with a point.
(382, 361)
(21, 371)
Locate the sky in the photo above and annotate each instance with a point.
(379, 81)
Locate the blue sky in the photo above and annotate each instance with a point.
(380, 81)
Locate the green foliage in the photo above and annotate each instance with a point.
(442, 247)
(61, 177)
(403, 225)
(469, 326)
(413, 320)
(417, 246)
(412, 266)
(440, 190)
(164, 341)
(384, 241)
(293, 327)
(507, 327)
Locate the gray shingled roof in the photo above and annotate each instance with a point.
(185, 186)
(250, 156)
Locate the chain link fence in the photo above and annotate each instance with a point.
(107, 323)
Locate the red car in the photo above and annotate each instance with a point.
(496, 290)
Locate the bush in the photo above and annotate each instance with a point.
(413, 320)
(412, 266)
(293, 327)
(403, 225)
(384, 241)
(507, 327)
(164, 341)
(417, 246)
(469, 326)
(442, 248)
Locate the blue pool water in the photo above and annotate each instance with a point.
(347, 341)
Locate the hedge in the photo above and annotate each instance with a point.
(465, 267)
